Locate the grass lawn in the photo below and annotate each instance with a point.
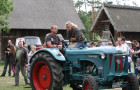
(7, 82)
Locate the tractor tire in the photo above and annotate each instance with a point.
(132, 79)
(46, 73)
(90, 83)
(75, 87)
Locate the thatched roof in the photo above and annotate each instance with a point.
(123, 18)
(41, 14)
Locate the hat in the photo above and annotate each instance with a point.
(123, 38)
(99, 42)
(92, 43)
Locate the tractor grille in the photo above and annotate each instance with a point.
(118, 62)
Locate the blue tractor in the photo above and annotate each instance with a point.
(81, 68)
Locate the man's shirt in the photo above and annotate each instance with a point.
(119, 48)
(18, 53)
(126, 48)
(54, 40)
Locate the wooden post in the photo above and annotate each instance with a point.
(93, 35)
(92, 14)
(0, 47)
(93, 20)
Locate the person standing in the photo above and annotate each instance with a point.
(99, 44)
(137, 54)
(126, 50)
(12, 57)
(119, 44)
(92, 44)
(21, 63)
(8, 60)
(116, 43)
(134, 56)
(33, 50)
(75, 35)
(26, 47)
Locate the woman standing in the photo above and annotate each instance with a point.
(33, 50)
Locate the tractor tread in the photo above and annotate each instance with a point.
(133, 80)
(55, 68)
(92, 82)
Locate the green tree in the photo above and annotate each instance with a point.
(86, 14)
(6, 7)
(78, 5)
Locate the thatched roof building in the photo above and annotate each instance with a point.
(119, 20)
(35, 17)
(33, 14)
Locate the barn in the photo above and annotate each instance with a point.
(35, 17)
(115, 21)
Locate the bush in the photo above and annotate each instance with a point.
(1, 63)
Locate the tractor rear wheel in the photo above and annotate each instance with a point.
(46, 73)
(90, 83)
(133, 82)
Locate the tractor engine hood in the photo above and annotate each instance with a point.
(94, 50)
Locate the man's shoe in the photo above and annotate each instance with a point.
(2, 75)
(26, 84)
(13, 75)
(15, 85)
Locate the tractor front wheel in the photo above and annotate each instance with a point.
(90, 83)
(132, 81)
(46, 73)
(75, 87)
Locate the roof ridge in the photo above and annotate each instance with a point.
(121, 6)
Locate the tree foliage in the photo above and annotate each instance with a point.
(82, 7)
(86, 14)
(6, 7)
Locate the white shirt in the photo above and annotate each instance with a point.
(29, 57)
(119, 48)
(129, 59)
(125, 48)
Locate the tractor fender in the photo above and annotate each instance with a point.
(53, 51)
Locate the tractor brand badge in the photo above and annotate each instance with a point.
(94, 56)
(118, 61)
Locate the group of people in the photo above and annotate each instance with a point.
(133, 51)
(10, 53)
(75, 36)
(18, 59)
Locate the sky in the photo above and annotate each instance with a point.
(128, 2)
(121, 1)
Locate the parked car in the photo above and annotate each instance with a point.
(30, 40)
(129, 43)
(103, 41)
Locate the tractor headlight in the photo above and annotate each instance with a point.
(102, 55)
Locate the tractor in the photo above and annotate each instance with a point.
(82, 69)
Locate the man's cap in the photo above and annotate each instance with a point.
(123, 38)
(99, 42)
(92, 43)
